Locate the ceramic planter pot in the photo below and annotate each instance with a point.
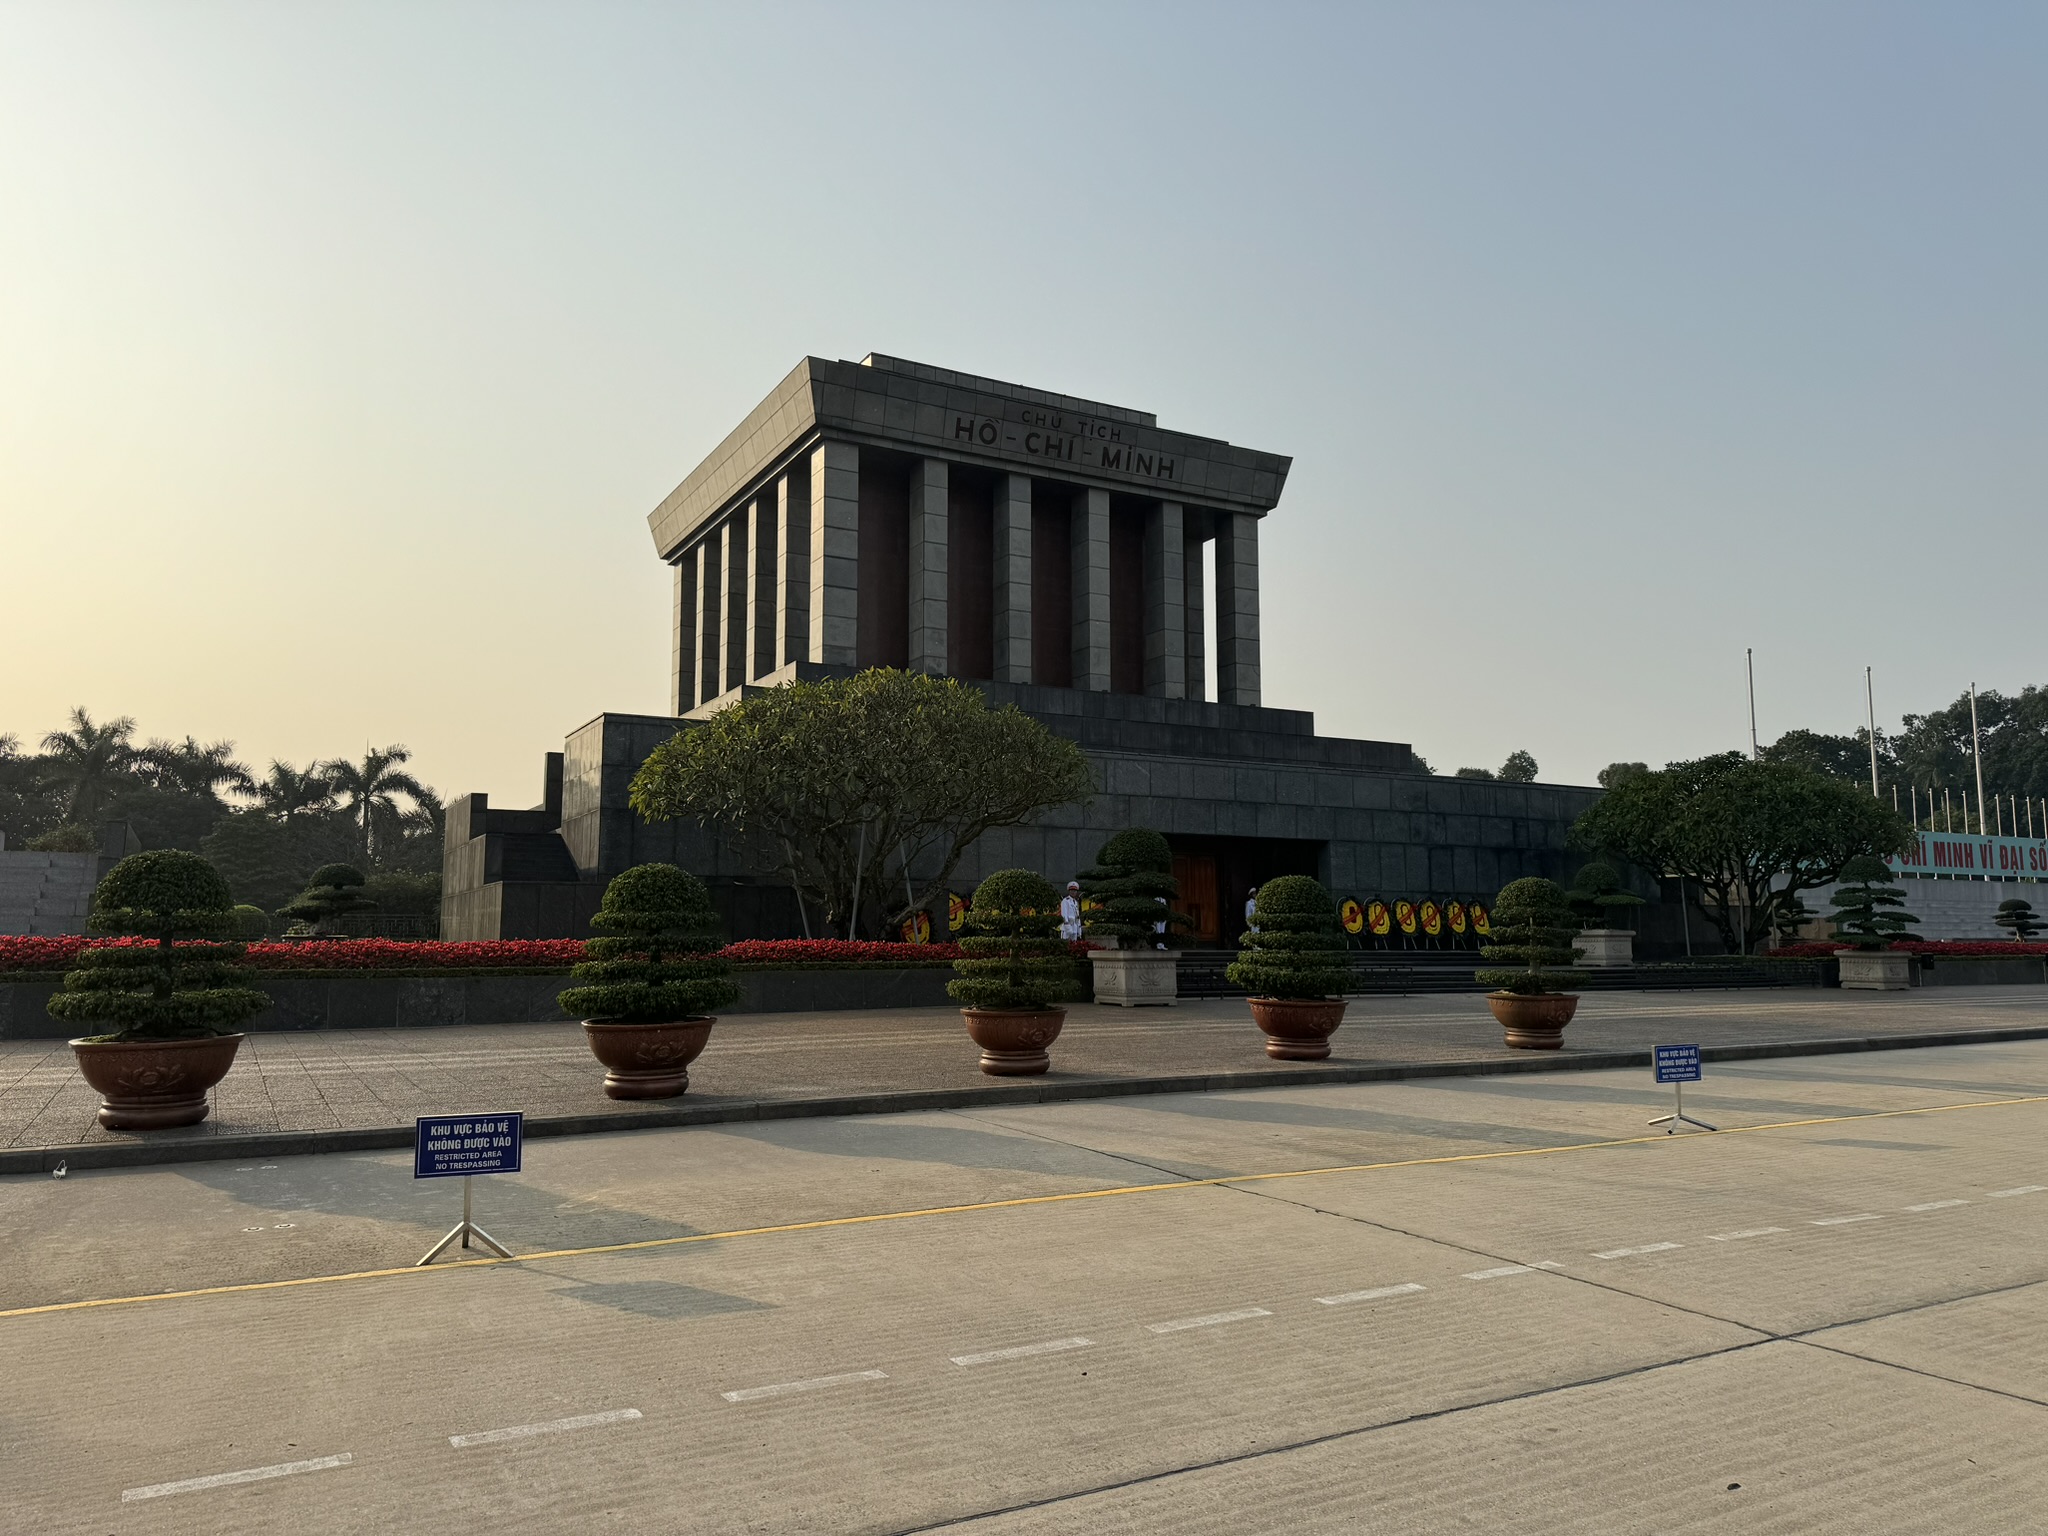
(1298, 1028)
(152, 1085)
(647, 1061)
(1533, 1023)
(1013, 1040)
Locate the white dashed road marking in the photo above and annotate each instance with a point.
(1935, 1205)
(1208, 1320)
(1372, 1295)
(226, 1479)
(1624, 1253)
(1510, 1269)
(1018, 1352)
(2024, 1189)
(784, 1388)
(1843, 1221)
(1729, 1237)
(552, 1427)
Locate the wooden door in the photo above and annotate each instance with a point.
(1196, 874)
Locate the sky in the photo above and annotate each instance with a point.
(344, 349)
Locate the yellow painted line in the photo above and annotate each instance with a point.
(827, 1223)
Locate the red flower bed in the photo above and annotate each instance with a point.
(836, 952)
(1955, 949)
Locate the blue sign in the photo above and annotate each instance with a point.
(1678, 1063)
(448, 1146)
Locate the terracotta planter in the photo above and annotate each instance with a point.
(1298, 1028)
(647, 1061)
(152, 1085)
(1533, 1023)
(1013, 1040)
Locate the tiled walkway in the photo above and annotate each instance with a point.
(352, 1079)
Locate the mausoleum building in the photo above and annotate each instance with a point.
(1052, 551)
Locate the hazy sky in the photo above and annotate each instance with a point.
(344, 349)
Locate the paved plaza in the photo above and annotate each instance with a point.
(1430, 1306)
(355, 1080)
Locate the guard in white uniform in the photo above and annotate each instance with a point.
(1070, 912)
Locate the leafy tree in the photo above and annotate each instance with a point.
(371, 787)
(1131, 886)
(656, 962)
(1598, 898)
(190, 768)
(1614, 773)
(854, 788)
(29, 804)
(1417, 763)
(90, 763)
(1011, 952)
(1747, 836)
(1520, 768)
(1869, 909)
(69, 838)
(180, 987)
(2017, 918)
(286, 792)
(267, 860)
(335, 891)
(401, 893)
(1295, 948)
(1532, 930)
(1473, 773)
(1845, 757)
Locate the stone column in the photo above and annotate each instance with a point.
(682, 679)
(1091, 590)
(1195, 606)
(1166, 625)
(928, 518)
(710, 603)
(1237, 608)
(835, 554)
(732, 634)
(1012, 596)
(763, 548)
(793, 568)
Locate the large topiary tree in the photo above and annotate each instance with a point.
(656, 962)
(1295, 948)
(334, 891)
(183, 986)
(2017, 918)
(1131, 886)
(1869, 908)
(1532, 928)
(1011, 952)
(1598, 897)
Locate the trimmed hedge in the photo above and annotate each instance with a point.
(658, 963)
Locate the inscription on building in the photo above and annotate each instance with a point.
(1064, 437)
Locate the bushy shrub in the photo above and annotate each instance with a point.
(657, 961)
(251, 922)
(1296, 946)
(181, 985)
(1011, 954)
(1869, 910)
(1533, 926)
(1130, 887)
(69, 838)
(334, 891)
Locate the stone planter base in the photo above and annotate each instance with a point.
(647, 1061)
(1875, 970)
(1135, 978)
(1298, 1029)
(1606, 947)
(153, 1085)
(1013, 1040)
(1533, 1023)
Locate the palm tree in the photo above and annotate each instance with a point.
(372, 787)
(198, 770)
(89, 763)
(286, 792)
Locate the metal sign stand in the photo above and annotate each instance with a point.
(1678, 1116)
(465, 1229)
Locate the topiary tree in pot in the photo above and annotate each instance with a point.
(1533, 927)
(652, 981)
(2017, 918)
(334, 891)
(170, 1006)
(1869, 913)
(1600, 902)
(1294, 963)
(1013, 972)
(1127, 895)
